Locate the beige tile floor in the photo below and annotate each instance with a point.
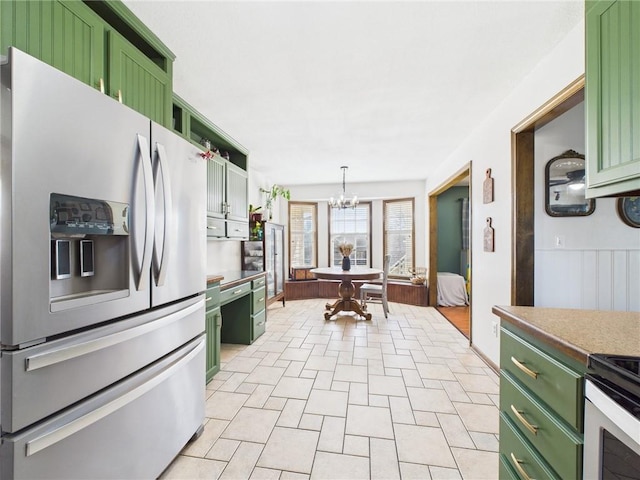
(397, 398)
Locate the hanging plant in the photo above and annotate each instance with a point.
(272, 195)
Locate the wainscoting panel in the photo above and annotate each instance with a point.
(588, 279)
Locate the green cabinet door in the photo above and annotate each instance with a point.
(139, 82)
(216, 187)
(66, 35)
(237, 193)
(612, 96)
(213, 323)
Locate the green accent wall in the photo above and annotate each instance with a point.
(450, 229)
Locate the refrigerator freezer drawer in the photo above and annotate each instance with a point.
(67, 370)
(132, 430)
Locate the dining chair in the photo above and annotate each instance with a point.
(375, 291)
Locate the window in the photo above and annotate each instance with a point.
(399, 236)
(350, 225)
(303, 234)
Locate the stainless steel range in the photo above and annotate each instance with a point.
(612, 418)
(103, 246)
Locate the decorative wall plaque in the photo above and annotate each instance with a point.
(488, 236)
(487, 188)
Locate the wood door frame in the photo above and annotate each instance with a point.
(523, 193)
(461, 174)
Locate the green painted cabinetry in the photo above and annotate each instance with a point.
(66, 35)
(100, 43)
(243, 311)
(213, 325)
(541, 409)
(138, 82)
(227, 177)
(612, 97)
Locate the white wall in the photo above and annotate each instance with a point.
(489, 146)
(598, 266)
(375, 193)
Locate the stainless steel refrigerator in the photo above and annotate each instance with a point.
(102, 274)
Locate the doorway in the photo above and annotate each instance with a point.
(523, 165)
(450, 247)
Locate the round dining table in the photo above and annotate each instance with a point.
(347, 289)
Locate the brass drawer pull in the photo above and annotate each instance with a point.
(526, 370)
(532, 428)
(516, 463)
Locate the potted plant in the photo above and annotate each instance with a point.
(254, 213)
(272, 195)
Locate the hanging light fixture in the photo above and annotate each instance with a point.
(343, 200)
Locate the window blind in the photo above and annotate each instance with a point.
(303, 235)
(399, 235)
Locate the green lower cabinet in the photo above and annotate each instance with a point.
(517, 452)
(259, 322)
(555, 441)
(213, 319)
(541, 409)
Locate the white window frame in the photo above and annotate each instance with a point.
(358, 234)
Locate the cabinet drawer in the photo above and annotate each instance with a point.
(259, 324)
(506, 470)
(519, 453)
(212, 297)
(558, 385)
(237, 229)
(559, 446)
(231, 294)
(215, 227)
(260, 282)
(259, 300)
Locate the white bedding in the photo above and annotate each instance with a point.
(451, 290)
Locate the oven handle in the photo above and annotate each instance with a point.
(59, 434)
(46, 359)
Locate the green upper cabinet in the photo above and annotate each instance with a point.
(100, 43)
(138, 81)
(613, 97)
(66, 35)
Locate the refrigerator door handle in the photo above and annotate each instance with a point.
(147, 173)
(59, 434)
(161, 260)
(53, 357)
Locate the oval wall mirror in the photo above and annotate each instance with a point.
(565, 186)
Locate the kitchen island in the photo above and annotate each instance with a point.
(544, 356)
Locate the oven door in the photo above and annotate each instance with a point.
(611, 435)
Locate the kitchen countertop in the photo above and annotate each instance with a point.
(578, 333)
(232, 278)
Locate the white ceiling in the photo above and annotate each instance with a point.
(388, 88)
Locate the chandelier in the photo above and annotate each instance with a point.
(343, 200)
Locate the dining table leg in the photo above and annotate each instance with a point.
(346, 290)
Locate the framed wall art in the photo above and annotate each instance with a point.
(629, 210)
